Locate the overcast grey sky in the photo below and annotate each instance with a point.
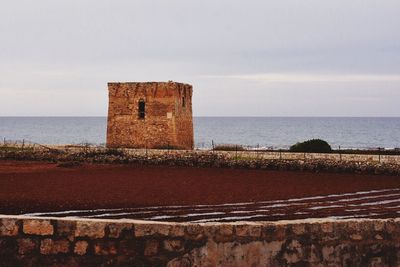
(244, 58)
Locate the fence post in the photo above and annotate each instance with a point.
(340, 154)
(23, 143)
(236, 154)
(280, 154)
(379, 154)
(258, 150)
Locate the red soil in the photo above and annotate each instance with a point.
(33, 187)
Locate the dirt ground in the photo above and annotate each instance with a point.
(33, 187)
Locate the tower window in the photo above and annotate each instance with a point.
(142, 109)
(183, 102)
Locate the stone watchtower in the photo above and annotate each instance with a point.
(150, 115)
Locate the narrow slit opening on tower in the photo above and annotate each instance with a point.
(142, 109)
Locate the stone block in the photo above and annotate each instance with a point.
(180, 262)
(116, 229)
(52, 247)
(328, 253)
(248, 230)
(314, 228)
(225, 229)
(66, 229)
(293, 253)
(173, 245)
(390, 227)
(142, 230)
(177, 230)
(26, 246)
(151, 248)
(90, 229)
(327, 227)
(314, 258)
(81, 247)
(356, 237)
(222, 233)
(268, 232)
(38, 227)
(8, 227)
(194, 232)
(105, 248)
(128, 247)
(379, 226)
(271, 232)
(377, 262)
(298, 229)
(354, 226)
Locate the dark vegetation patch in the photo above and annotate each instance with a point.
(229, 147)
(312, 146)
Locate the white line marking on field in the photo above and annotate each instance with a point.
(167, 212)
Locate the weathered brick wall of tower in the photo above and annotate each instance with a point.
(150, 114)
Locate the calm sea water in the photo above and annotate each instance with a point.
(277, 132)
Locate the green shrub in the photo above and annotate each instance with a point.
(313, 146)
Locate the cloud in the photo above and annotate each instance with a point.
(309, 78)
(57, 56)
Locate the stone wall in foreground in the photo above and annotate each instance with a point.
(31, 241)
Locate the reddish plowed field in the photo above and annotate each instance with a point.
(138, 192)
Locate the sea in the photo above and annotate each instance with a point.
(255, 132)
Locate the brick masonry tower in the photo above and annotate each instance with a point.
(150, 115)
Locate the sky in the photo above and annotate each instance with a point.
(243, 58)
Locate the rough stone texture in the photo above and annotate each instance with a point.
(90, 229)
(116, 230)
(152, 229)
(173, 245)
(26, 246)
(248, 230)
(8, 227)
(38, 227)
(236, 254)
(66, 229)
(84, 242)
(168, 115)
(81, 247)
(151, 248)
(49, 246)
(105, 248)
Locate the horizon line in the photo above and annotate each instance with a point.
(209, 116)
